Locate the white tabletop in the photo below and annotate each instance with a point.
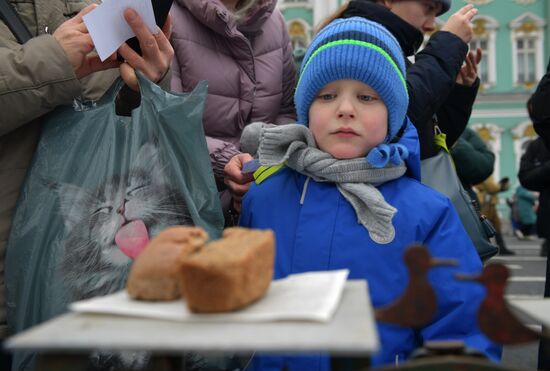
(352, 331)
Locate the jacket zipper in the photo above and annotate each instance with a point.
(304, 190)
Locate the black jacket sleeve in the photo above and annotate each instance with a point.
(432, 76)
(534, 168)
(540, 109)
(431, 80)
(454, 114)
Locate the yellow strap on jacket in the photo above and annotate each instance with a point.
(264, 172)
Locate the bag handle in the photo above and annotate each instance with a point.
(147, 90)
(110, 95)
(13, 21)
(147, 87)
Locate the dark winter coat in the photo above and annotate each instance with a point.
(474, 162)
(433, 93)
(539, 109)
(534, 174)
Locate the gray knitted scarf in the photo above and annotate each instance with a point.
(356, 179)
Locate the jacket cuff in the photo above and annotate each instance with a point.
(468, 89)
(220, 157)
(466, 94)
(447, 46)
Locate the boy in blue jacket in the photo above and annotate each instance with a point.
(336, 191)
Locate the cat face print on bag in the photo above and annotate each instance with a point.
(107, 227)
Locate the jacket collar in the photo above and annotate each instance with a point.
(409, 37)
(214, 15)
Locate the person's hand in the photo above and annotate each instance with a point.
(237, 182)
(157, 53)
(459, 23)
(76, 42)
(468, 72)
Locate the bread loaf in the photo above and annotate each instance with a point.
(155, 273)
(229, 273)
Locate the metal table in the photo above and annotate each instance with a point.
(351, 333)
(537, 309)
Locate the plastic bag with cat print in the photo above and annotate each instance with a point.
(100, 186)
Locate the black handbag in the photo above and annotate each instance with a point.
(439, 173)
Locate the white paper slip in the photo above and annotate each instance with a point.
(312, 296)
(108, 28)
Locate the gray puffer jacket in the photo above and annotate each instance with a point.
(248, 65)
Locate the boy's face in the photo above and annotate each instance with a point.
(348, 119)
(420, 14)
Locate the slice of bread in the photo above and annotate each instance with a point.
(155, 273)
(229, 273)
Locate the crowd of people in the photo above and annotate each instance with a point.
(342, 140)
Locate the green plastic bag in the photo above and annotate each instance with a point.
(99, 188)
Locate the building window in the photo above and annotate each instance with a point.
(483, 67)
(484, 38)
(526, 55)
(527, 49)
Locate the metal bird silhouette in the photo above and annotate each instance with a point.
(417, 306)
(495, 318)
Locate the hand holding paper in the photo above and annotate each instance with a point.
(74, 39)
(115, 21)
(157, 53)
(108, 28)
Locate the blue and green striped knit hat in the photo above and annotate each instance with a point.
(355, 49)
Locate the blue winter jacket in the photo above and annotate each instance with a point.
(322, 233)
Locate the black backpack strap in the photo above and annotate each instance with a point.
(14, 22)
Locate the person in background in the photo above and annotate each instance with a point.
(474, 161)
(534, 174)
(335, 191)
(487, 194)
(526, 203)
(242, 48)
(51, 69)
(441, 90)
(442, 82)
(514, 217)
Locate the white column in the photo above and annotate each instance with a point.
(322, 9)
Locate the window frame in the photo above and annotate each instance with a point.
(537, 34)
(491, 27)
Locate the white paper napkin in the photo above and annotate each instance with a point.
(312, 296)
